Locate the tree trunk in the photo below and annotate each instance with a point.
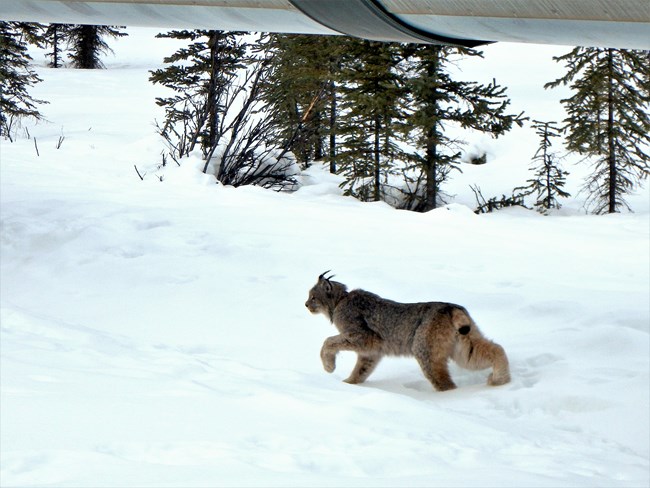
(611, 142)
(211, 103)
(332, 152)
(318, 139)
(377, 159)
(431, 197)
(431, 154)
(56, 51)
(87, 46)
(547, 165)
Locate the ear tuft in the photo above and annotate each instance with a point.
(322, 277)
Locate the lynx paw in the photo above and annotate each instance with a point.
(329, 363)
(445, 386)
(499, 380)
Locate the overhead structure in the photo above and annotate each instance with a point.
(603, 23)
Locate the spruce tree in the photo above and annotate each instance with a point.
(201, 76)
(87, 43)
(56, 36)
(549, 178)
(371, 111)
(16, 77)
(302, 92)
(218, 107)
(295, 91)
(32, 32)
(439, 100)
(608, 120)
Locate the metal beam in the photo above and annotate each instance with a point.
(606, 23)
(369, 19)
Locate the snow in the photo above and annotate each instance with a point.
(154, 333)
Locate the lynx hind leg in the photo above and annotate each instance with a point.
(432, 352)
(476, 352)
(366, 364)
(500, 368)
(436, 370)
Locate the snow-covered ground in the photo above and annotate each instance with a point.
(154, 333)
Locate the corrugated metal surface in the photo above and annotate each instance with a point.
(597, 10)
(244, 15)
(608, 23)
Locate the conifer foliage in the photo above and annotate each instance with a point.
(438, 102)
(301, 92)
(372, 108)
(608, 120)
(217, 80)
(389, 106)
(200, 76)
(549, 177)
(56, 37)
(16, 77)
(383, 114)
(87, 43)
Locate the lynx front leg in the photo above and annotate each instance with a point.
(330, 349)
(366, 364)
(365, 344)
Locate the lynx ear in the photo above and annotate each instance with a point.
(328, 288)
(325, 280)
(322, 277)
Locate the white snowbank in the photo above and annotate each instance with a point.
(154, 333)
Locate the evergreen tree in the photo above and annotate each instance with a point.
(56, 36)
(201, 75)
(31, 32)
(217, 80)
(16, 77)
(87, 43)
(371, 111)
(549, 177)
(302, 93)
(608, 120)
(437, 101)
(295, 92)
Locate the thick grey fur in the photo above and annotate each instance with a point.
(432, 332)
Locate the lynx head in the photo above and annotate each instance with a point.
(324, 295)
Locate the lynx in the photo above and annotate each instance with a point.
(433, 332)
